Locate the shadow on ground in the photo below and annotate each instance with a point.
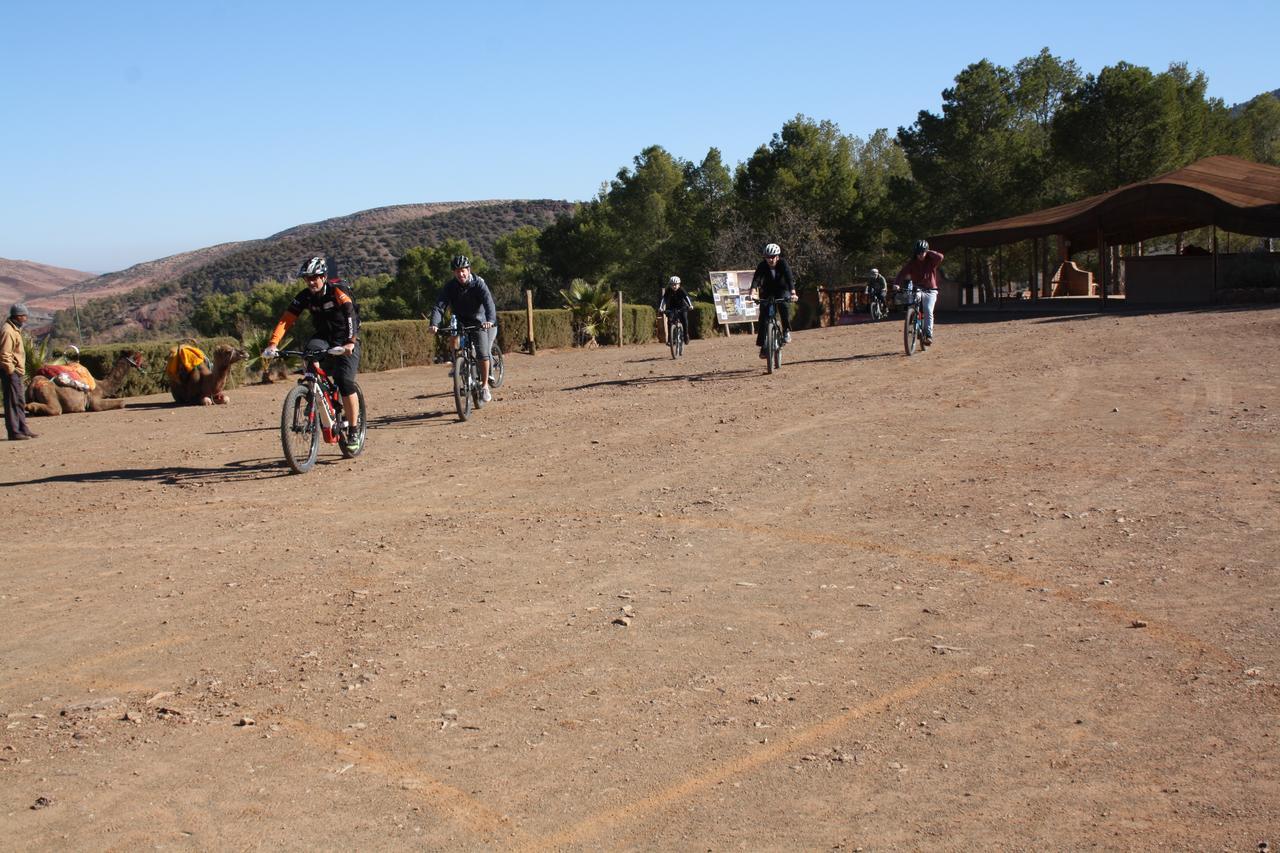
(232, 472)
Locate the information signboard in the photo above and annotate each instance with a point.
(729, 292)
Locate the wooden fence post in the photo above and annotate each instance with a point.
(619, 318)
(528, 313)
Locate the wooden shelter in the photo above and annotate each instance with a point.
(1224, 192)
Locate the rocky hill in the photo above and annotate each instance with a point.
(27, 281)
(154, 298)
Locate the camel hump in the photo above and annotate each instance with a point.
(183, 360)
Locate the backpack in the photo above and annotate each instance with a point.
(339, 284)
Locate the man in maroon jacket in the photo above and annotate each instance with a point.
(922, 269)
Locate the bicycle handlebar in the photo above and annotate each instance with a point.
(311, 353)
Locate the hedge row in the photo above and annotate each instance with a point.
(389, 344)
(151, 380)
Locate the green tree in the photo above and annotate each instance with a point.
(1256, 131)
(967, 160)
(1118, 128)
(520, 267)
(808, 165)
(420, 274)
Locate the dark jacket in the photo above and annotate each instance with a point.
(675, 300)
(470, 304)
(775, 287)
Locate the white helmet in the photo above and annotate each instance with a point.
(772, 250)
(875, 271)
(313, 266)
(675, 279)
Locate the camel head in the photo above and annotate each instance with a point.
(136, 360)
(225, 355)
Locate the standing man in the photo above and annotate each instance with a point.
(334, 315)
(13, 363)
(471, 302)
(774, 281)
(923, 270)
(675, 299)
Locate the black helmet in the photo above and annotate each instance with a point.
(315, 266)
(459, 262)
(921, 246)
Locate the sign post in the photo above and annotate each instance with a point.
(729, 290)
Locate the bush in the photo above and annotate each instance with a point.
(702, 320)
(389, 344)
(552, 329)
(637, 324)
(151, 380)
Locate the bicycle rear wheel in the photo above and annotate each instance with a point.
(495, 365)
(910, 330)
(462, 386)
(362, 426)
(300, 429)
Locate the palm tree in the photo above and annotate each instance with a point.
(592, 307)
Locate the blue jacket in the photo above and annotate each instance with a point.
(470, 304)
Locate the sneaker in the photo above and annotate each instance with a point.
(786, 338)
(928, 341)
(486, 394)
(451, 371)
(762, 353)
(352, 441)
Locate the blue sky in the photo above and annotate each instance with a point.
(136, 130)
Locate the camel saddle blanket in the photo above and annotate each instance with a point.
(71, 375)
(183, 360)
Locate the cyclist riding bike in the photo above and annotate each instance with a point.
(923, 270)
(471, 302)
(334, 314)
(877, 286)
(774, 281)
(676, 300)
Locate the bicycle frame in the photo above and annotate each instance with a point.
(324, 390)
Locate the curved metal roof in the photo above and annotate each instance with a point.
(1237, 195)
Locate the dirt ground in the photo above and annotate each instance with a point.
(1017, 593)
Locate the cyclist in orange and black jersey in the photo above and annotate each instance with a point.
(334, 315)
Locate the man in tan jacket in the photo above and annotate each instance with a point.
(13, 364)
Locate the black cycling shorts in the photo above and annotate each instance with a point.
(341, 368)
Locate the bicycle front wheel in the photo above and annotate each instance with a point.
(462, 387)
(300, 429)
(770, 346)
(877, 310)
(909, 331)
(362, 426)
(495, 365)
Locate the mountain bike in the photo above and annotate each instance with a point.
(913, 326)
(468, 389)
(773, 335)
(313, 411)
(675, 334)
(876, 306)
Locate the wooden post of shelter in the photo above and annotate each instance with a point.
(528, 313)
(1215, 263)
(619, 318)
(1034, 284)
(1102, 268)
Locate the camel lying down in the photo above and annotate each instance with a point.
(46, 397)
(203, 387)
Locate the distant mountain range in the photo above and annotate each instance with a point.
(27, 281)
(154, 297)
